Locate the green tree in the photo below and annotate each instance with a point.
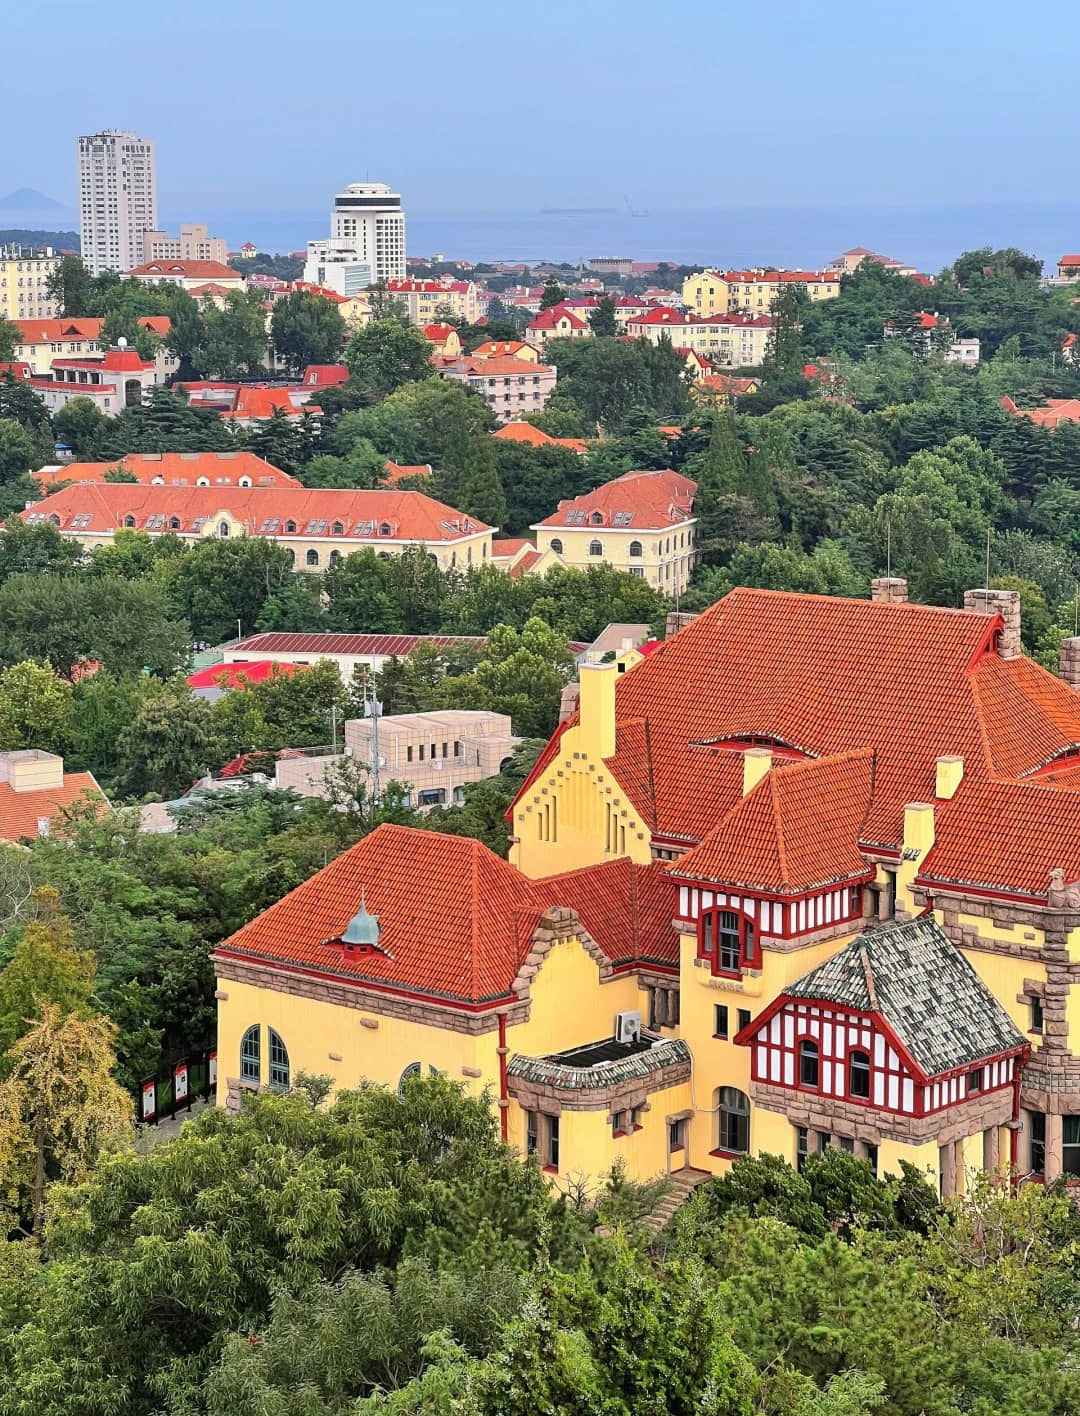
(602, 320)
(35, 707)
(218, 582)
(81, 425)
(522, 673)
(9, 338)
(45, 968)
(784, 352)
(480, 491)
(553, 294)
(18, 452)
(70, 286)
(39, 549)
(235, 338)
(386, 355)
(306, 329)
(168, 744)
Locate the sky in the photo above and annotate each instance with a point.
(517, 104)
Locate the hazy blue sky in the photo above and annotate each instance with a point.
(520, 104)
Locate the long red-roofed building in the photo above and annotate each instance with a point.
(318, 527)
(175, 469)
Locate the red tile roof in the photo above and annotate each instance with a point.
(438, 333)
(555, 315)
(525, 564)
(798, 828)
(468, 364)
(189, 270)
(636, 501)
(317, 645)
(408, 516)
(462, 937)
(20, 812)
(534, 437)
(54, 331)
(17, 370)
(510, 546)
(508, 348)
(240, 675)
(324, 375)
(394, 471)
(827, 677)
(1051, 413)
(174, 469)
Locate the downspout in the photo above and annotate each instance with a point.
(1014, 1129)
(504, 1100)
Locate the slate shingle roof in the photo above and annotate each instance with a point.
(923, 987)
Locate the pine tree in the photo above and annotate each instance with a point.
(480, 490)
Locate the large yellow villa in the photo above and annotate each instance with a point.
(807, 875)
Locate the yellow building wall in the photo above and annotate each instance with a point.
(667, 558)
(706, 293)
(925, 1158)
(316, 1033)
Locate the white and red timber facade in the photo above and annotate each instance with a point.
(854, 828)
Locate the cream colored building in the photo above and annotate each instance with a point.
(425, 301)
(434, 754)
(641, 523)
(40, 342)
(24, 277)
(194, 243)
(317, 527)
(348, 652)
(714, 292)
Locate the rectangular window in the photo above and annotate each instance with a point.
(728, 950)
(870, 1153)
(1036, 1015)
(720, 1020)
(530, 1133)
(457, 749)
(408, 754)
(676, 1135)
(744, 1018)
(553, 1142)
(802, 1146)
(975, 1082)
(847, 1143)
(1070, 1145)
(420, 752)
(1036, 1122)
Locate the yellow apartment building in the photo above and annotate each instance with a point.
(641, 523)
(714, 292)
(24, 278)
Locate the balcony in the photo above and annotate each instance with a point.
(599, 1075)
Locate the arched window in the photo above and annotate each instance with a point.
(636, 548)
(809, 1064)
(250, 1055)
(129, 521)
(244, 482)
(202, 481)
(290, 528)
(223, 528)
(556, 545)
(54, 519)
(335, 557)
(279, 1061)
(727, 939)
(412, 1070)
(733, 1116)
(596, 518)
(337, 529)
(384, 528)
(312, 557)
(858, 1065)
(596, 548)
(174, 523)
(291, 554)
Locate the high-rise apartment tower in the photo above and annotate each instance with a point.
(117, 199)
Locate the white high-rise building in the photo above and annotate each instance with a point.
(367, 240)
(117, 199)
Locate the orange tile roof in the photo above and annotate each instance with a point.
(20, 812)
(190, 270)
(462, 937)
(554, 315)
(638, 501)
(1052, 412)
(508, 348)
(826, 677)
(438, 333)
(174, 469)
(525, 564)
(410, 516)
(56, 330)
(468, 364)
(394, 471)
(535, 437)
(798, 828)
(510, 547)
(627, 908)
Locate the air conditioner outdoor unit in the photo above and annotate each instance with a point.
(627, 1026)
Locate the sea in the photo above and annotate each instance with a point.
(929, 237)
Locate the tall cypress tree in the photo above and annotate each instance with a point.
(480, 490)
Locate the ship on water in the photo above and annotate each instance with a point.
(578, 211)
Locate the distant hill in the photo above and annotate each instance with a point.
(27, 199)
(21, 236)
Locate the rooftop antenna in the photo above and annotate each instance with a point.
(375, 788)
(888, 547)
(988, 558)
(1076, 609)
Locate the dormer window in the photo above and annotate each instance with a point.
(727, 939)
(290, 528)
(596, 519)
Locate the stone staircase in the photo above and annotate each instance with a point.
(682, 1184)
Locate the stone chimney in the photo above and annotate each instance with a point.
(999, 602)
(569, 701)
(889, 590)
(676, 620)
(1070, 662)
(756, 762)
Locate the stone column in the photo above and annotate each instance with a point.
(889, 590)
(1053, 1148)
(959, 1168)
(1007, 604)
(947, 1160)
(1070, 662)
(991, 1150)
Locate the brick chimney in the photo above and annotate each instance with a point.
(1070, 662)
(889, 590)
(1005, 603)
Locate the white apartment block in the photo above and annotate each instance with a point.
(117, 199)
(193, 244)
(367, 240)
